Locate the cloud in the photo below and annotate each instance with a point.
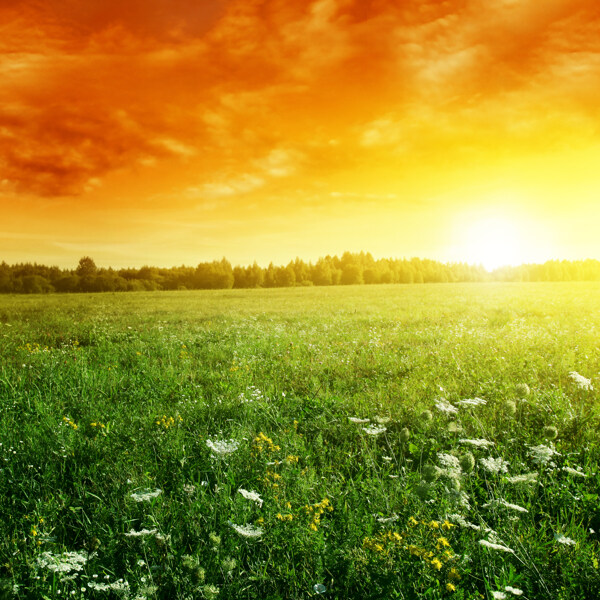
(99, 87)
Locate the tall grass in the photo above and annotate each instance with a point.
(301, 442)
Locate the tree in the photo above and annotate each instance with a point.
(87, 267)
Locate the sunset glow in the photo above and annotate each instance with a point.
(172, 132)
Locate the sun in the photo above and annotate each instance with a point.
(493, 240)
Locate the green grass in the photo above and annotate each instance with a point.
(105, 396)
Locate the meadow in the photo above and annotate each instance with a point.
(372, 442)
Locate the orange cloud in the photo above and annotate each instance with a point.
(246, 91)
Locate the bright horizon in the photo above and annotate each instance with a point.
(166, 133)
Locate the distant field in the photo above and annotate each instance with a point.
(209, 444)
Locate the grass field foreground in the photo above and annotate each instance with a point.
(427, 441)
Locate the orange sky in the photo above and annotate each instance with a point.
(170, 132)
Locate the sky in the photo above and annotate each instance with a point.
(169, 132)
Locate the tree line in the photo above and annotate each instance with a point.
(349, 269)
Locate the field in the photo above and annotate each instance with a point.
(426, 441)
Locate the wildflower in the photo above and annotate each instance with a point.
(572, 471)
(373, 430)
(381, 420)
(581, 381)
(449, 462)
(514, 591)
(319, 588)
(494, 465)
(445, 407)
(541, 454)
(426, 415)
(524, 478)
(63, 563)
(506, 504)
(141, 533)
(493, 546)
(467, 462)
(254, 496)
(391, 519)
(210, 591)
(145, 495)
(498, 595)
(404, 435)
(510, 407)
(563, 539)
(222, 447)
(431, 473)
(472, 402)
(248, 530)
(447, 526)
(453, 573)
(442, 542)
(359, 421)
(436, 564)
(477, 443)
(450, 587)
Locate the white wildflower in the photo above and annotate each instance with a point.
(477, 443)
(505, 504)
(145, 495)
(248, 530)
(493, 546)
(456, 518)
(524, 478)
(373, 430)
(222, 447)
(472, 402)
(494, 465)
(572, 471)
(445, 407)
(514, 591)
(359, 421)
(563, 539)
(117, 586)
(141, 533)
(498, 595)
(581, 381)
(391, 519)
(450, 462)
(63, 563)
(254, 496)
(541, 454)
(381, 420)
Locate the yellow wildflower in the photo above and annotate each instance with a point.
(450, 587)
(436, 564)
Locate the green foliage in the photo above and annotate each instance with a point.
(349, 442)
(350, 269)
